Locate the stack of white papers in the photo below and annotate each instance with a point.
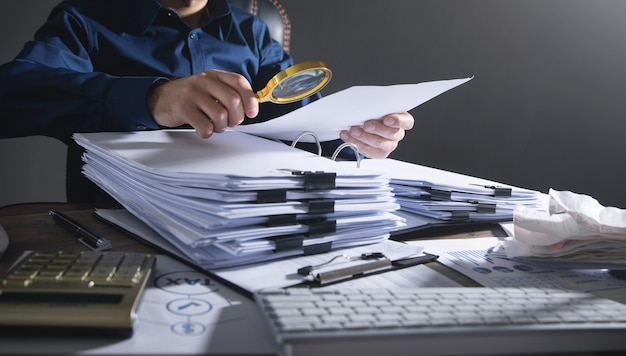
(576, 229)
(236, 198)
(450, 197)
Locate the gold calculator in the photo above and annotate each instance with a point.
(90, 290)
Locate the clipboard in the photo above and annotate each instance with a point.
(375, 263)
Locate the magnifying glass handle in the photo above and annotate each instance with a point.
(264, 95)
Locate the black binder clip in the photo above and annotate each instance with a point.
(501, 191)
(271, 196)
(320, 226)
(483, 208)
(498, 191)
(282, 220)
(323, 247)
(459, 215)
(318, 180)
(440, 194)
(486, 208)
(289, 242)
(321, 206)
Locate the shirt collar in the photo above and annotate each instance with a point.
(147, 10)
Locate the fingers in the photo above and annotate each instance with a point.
(210, 102)
(235, 94)
(378, 138)
(402, 120)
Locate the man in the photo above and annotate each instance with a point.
(125, 65)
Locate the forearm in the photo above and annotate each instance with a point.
(56, 102)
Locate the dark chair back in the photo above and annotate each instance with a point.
(273, 14)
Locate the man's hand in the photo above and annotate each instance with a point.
(378, 138)
(210, 102)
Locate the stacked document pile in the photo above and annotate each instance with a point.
(236, 198)
(428, 197)
(448, 197)
(577, 229)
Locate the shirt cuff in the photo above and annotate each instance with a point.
(126, 104)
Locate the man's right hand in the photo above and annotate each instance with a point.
(210, 102)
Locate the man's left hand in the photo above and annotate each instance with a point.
(378, 138)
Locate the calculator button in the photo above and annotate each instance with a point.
(86, 269)
(16, 281)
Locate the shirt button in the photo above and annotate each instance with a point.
(193, 36)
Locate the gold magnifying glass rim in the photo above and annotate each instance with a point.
(266, 94)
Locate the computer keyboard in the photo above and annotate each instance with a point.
(441, 321)
(91, 291)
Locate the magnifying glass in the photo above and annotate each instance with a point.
(295, 83)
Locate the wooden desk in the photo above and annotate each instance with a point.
(29, 227)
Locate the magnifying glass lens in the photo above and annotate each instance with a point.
(299, 83)
(295, 83)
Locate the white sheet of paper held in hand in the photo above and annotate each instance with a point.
(352, 106)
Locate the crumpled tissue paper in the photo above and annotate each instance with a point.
(576, 228)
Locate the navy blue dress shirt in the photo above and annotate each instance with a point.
(92, 63)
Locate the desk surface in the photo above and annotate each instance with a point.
(29, 227)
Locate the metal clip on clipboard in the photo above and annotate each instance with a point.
(380, 263)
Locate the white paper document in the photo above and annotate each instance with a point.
(353, 106)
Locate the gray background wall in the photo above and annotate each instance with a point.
(545, 108)
(32, 169)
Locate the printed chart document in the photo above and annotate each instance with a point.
(476, 259)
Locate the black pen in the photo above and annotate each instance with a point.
(413, 261)
(86, 237)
